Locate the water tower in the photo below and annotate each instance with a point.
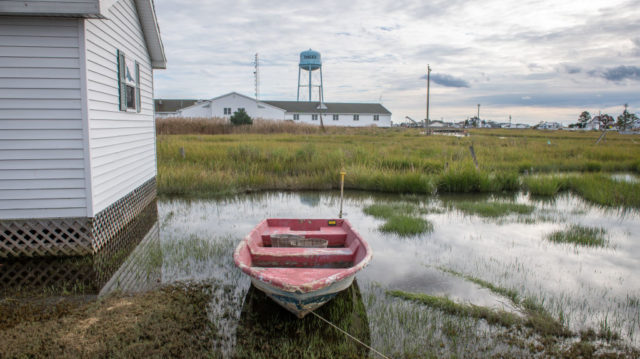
(310, 62)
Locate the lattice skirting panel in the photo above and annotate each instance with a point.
(88, 273)
(59, 237)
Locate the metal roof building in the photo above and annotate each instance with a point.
(334, 113)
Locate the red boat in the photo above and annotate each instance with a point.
(302, 263)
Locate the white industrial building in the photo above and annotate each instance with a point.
(77, 131)
(332, 113)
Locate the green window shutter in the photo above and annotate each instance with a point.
(138, 87)
(122, 87)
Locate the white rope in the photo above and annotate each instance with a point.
(349, 335)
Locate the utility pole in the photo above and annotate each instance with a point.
(428, 83)
(478, 121)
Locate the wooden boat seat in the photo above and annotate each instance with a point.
(288, 257)
(335, 235)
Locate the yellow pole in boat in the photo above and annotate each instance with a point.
(342, 173)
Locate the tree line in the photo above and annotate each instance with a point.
(624, 121)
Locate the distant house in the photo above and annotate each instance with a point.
(437, 123)
(593, 124)
(549, 126)
(333, 113)
(77, 138)
(170, 107)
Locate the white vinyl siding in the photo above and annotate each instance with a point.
(122, 143)
(50, 7)
(41, 129)
(346, 119)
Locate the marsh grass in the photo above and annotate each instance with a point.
(512, 294)
(406, 226)
(286, 156)
(170, 322)
(448, 306)
(492, 209)
(401, 218)
(537, 318)
(580, 235)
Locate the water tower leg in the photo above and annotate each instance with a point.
(321, 89)
(298, 94)
(309, 83)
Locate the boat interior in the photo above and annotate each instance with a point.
(309, 243)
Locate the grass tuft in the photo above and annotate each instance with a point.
(401, 218)
(493, 209)
(580, 235)
(406, 226)
(509, 293)
(448, 306)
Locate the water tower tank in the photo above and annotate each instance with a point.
(310, 60)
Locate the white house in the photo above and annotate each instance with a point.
(593, 124)
(77, 134)
(333, 113)
(549, 126)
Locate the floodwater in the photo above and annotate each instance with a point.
(588, 287)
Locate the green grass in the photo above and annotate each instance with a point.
(406, 226)
(401, 218)
(536, 317)
(492, 209)
(388, 210)
(580, 235)
(399, 161)
(465, 310)
(512, 294)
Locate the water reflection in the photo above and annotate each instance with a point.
(588, 286)
(130, 262)
(265, 329)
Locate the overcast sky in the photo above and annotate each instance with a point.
(533, 60)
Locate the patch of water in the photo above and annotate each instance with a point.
(625, 177)
(587, 287)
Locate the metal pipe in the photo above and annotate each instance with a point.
(342, 173)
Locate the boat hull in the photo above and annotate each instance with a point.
(302, 277)
(301, 304)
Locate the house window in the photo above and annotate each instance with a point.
(128, 84)
(336, 117)
(240, 108)
(296, 117)
(376, 117)
(314, 117)
(131, 97)
(356, 117)
(227, 110)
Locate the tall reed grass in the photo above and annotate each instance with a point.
(290, 156)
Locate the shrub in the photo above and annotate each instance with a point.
(241, 117)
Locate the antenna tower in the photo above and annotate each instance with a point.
(256, 75)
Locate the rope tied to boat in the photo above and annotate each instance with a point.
(349, 335)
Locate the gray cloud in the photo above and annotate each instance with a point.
(572, 69)
(620, 73)
(513, 55)
(447, 80)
